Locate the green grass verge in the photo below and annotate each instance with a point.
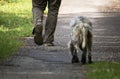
(15, 22)
(8, 43)
(104, 70)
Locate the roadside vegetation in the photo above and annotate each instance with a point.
(15, 23)
(104, 70)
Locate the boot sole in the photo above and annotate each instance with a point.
(37, 31)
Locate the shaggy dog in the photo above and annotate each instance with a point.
(81, 38)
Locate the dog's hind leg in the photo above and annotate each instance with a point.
(89, 47)
(75, 58)
(74, 53)
(83, 59)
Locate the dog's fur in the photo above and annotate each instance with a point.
(81, 38)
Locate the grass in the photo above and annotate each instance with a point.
(8, 43)
(15, 22)
(104, 70)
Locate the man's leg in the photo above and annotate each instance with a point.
(38, 10)
(53, 8)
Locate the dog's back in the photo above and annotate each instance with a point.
(81, 27)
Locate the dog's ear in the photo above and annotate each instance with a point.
(75, 20)
(72, 23)
(90, 23)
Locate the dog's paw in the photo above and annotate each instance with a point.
(90, 62)
(75, 59)
(83, 61)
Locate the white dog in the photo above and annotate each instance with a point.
(81, 38)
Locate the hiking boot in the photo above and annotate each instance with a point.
(37, 32)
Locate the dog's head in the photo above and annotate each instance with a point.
(80, 21)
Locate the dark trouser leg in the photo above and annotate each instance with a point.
(38, 10)
(38, 7)
(53, 7)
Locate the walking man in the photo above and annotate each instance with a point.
(38, 7)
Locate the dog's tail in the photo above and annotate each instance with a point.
(84, 37)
